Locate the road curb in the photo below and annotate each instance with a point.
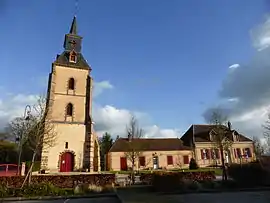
(215, 191)
(118, 196)
(58, 197)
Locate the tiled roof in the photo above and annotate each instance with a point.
(145, 144)
(201, 133)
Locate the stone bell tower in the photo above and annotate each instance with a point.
(69, 103)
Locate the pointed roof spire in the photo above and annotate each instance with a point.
(73, 28)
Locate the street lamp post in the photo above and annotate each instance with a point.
(26, 117)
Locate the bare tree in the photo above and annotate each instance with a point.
(259, 149)
(266, 134)
(38, 131)
(220, 137)
(178, 161)
(134, 146)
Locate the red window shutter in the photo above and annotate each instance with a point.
(169, 160)
(202, 154)
(142, 161)
(186, 160)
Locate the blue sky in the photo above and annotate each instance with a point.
(165, 58)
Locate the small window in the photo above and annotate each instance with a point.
(186, 159)
(142, 161)
(69, 109)
(169, 160)
(73, 57)
(71, 84)
(66, 145)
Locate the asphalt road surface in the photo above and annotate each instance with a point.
(82, 200)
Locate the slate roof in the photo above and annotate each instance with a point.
(201, 133)
(63, 60)
(73, 28)
(148, 144)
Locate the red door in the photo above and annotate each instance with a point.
(66, 162)
(123, 163)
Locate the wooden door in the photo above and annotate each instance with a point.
(123, 163)
(67, 161)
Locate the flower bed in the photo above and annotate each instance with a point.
(61, 181)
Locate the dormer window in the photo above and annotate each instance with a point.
(73, 57)
(235, 136)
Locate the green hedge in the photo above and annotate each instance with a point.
(169, 181)
(251, 174)
(34, 190)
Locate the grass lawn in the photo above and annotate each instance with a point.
(218, 171)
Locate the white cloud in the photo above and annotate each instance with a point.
(107, 118)
(99, 87)
(248, 86)
(261, 35)
(234, 66)
(113, 120)
(14, 106)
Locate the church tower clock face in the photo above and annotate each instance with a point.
(70, 103)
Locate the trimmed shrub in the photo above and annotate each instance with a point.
(251, 174)
(61, 181)
(193, 164)
(170, 181)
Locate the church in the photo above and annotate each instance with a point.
(69, 103)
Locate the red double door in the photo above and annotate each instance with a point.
(66, 162)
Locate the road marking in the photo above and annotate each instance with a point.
(66, 200)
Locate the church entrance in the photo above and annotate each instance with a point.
(66, 162)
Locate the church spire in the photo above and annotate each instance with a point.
(72, 39)
(72, 56)
(73, 28)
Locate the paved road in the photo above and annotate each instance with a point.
(83, 200)
(232, 197)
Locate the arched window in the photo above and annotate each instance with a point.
(73, 57)
(69, 109)
(71, 84)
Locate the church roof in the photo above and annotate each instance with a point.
(73, 28)
(63, 60)
(200, 133)
(72, 45)
(149, 144)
